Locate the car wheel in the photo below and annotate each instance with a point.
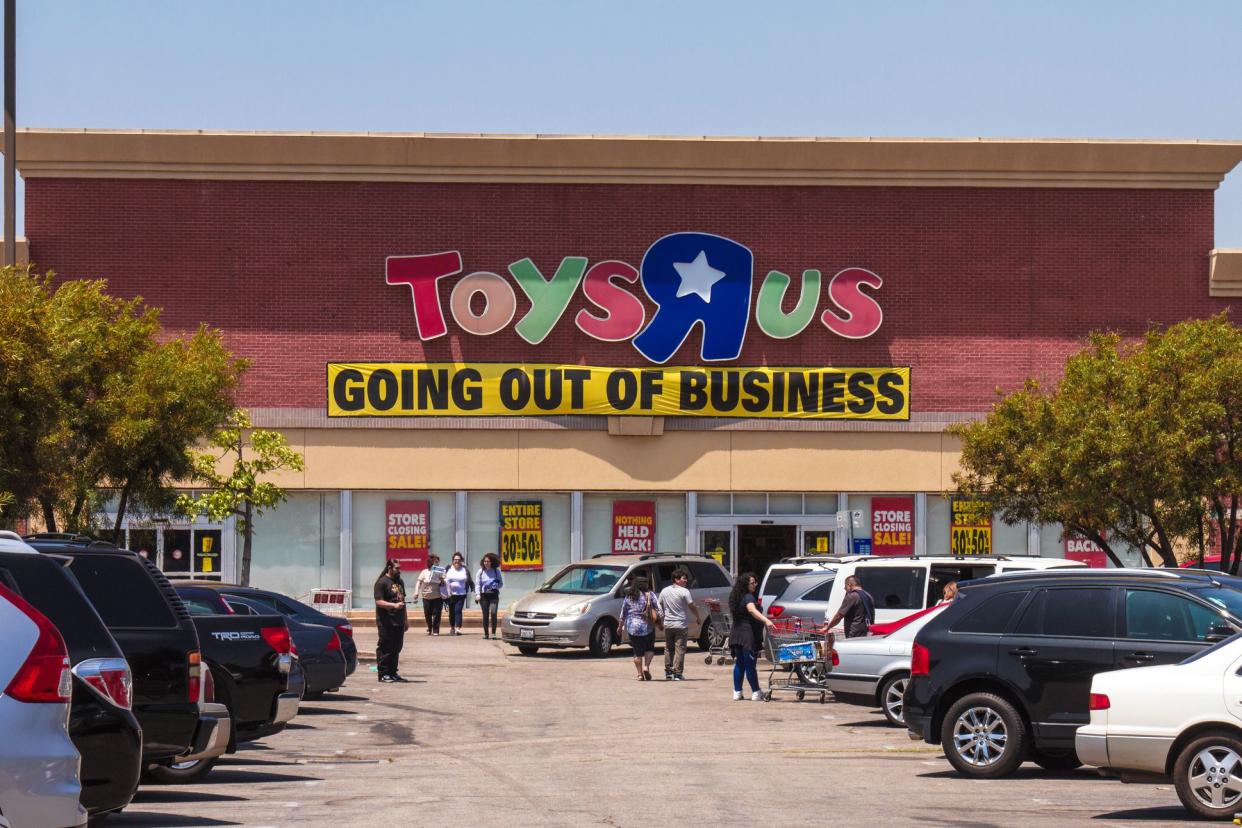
(705, 636)
(528, 649)
(1056, 760)
(1208, 776)
(179, 773)
(983, 736)
(603, 637)
(893, 699)
(812, 673)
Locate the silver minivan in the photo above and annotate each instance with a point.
(580, 606)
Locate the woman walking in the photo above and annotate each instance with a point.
(430, 588)
(457, 579)
(746, 634)
(639, 613)
(487, 585)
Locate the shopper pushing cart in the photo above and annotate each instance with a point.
(746, 633)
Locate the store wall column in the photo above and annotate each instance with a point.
(460, 525)
(575, 526)
(347, 542)
(1032, 539)
(692, 523)
(841, 537)
(920, 524)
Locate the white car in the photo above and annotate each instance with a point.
(1180, 720)
(873, 670)
(39, 782)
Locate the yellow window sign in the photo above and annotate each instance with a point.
(399, 389)
(521, 534)
(970, 527)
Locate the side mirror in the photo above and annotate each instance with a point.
(1218, 632)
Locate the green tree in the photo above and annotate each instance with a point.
(1139, 443)
(233, 470)
(93, 394)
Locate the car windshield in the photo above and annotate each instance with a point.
(586, 579)
(1230, 600)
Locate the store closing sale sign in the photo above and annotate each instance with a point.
(521, 534)
(892, 526)
(633, 527)
(970, 527)
(408, 533)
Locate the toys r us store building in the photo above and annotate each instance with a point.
(555, 347)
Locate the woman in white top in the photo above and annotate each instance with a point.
(457, 580)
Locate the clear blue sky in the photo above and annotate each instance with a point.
(1096, 69)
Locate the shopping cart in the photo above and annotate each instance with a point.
(330, 601)
(718, 642)
(801, 656)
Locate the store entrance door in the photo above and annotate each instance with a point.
(758, 547)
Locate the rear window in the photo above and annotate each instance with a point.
(894, 587)
(706, 576)
(1082, 612)
(991, 616)
(778, 579)
(44, 583)
(819, 593)
(121, 590)
(202, 601)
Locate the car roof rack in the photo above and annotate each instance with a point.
(68, 538)
(1088, 572)
(9, 534)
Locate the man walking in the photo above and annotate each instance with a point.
(857, 608)
(390, 621)
(675, 600)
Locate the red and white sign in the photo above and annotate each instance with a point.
(408, 533)
(892, 525)
(633, 527)
(1078, 548)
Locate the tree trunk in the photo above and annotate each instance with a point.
(120, 513)
(247, 537)
(49, 514)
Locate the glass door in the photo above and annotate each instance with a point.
(718, 544)
(817, 542)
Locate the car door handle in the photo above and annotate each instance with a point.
(1139, 657)
(1023, 652)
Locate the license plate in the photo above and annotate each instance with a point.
(526, 633)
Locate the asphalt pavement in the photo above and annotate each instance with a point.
(485, 737)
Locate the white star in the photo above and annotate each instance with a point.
(697, 277)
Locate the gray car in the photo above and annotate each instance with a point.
(580, 606)
(39, 782)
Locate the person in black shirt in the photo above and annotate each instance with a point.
(857, 608)
(390, 620)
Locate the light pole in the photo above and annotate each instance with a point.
(10, 133)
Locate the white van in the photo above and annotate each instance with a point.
(901, 586)
(777, 577)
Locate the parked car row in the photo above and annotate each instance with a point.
(1039, 666)
(128, 679)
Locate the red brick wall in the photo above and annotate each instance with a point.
(982, 287)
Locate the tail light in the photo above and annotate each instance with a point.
(836, 658)
(334, 644)
(1099, 701)
(776, 611)
(196, 677)
(44, 676)
(920, 660)
(278, 639)
(209, 686)
(347, 629)
(109, 677)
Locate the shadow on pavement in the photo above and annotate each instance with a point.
(298, 726)
(244, 762)
(151, 796)
(164, 820)
(320, 711)
(1032, 772)
(225, 776)
(1172, 813)
(876, 723)
(337, 697)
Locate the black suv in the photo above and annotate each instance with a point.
(101, 725)
(1004, 673)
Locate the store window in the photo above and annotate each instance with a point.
(297, 545)
(1010, 540)
(536, 519)
(370, 513)
(937, 525)
(598, 521)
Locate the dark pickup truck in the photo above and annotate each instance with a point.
(251, 658)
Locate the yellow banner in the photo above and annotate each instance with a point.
(401, 389)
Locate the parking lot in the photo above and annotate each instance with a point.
(485, 737)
